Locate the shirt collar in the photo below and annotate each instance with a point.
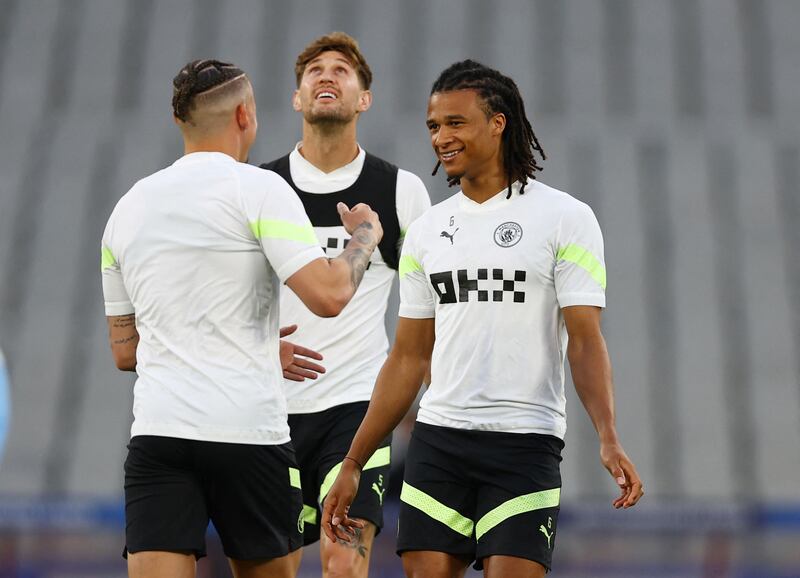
(497, 201)
(204, 156)
(300, 163)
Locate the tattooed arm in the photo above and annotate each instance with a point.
(124, 338)
(327, 285)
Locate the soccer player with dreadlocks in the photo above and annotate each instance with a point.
(498, 283)
(193, 257)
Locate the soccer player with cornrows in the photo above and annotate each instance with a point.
(193, 259)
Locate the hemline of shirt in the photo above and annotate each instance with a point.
(299, 261)
(115, 308)
(439, 421)
(591, 299)
(297, 407)
(416, 312)
(212, 434)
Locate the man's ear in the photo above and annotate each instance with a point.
(498, 123)
(242, 116)
(296, 104)
(364, 100)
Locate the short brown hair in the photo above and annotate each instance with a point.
(340, 42)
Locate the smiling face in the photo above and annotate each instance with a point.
(466, 141)
(330, 91)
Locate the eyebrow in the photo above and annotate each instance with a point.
(337, 59)
(448, 117)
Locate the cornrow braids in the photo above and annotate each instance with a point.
(197, 77)
(500, 94)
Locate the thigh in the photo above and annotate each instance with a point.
(323, 440)
(308, 435)
(283, 567)
(368, 502)
(502, 566)
(161, 565)
(518, 499)
(165, 508)
(437, 509)
(254, 498)
(421, 564)
(351, 558)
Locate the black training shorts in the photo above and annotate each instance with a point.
(174, 486)
(321, 441)
(476, 494)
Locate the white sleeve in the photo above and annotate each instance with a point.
(117, 301)
(411, 198)
(416, 296)
(580, 271)
(278, 221)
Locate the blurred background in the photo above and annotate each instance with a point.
(676, 120)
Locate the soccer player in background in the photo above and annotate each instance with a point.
(497, 284)
(328, 167)
(193, 257)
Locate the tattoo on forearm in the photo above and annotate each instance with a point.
(356, 543)
(124, 321)
(358, 251)
(123, 331)
(126, 340)
(358, 261)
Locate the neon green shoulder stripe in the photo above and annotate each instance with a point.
(381, 457)
(436, 510)
(585, 260)
(272, 229)
(515, 506)
(408, 264)
(106, 258)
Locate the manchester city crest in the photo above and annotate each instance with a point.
(508, 234)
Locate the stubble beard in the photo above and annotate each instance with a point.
(329, 120)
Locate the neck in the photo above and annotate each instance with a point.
(329, 147)
(485, 185)
(229, 145)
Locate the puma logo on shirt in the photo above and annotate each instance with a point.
(449, 235)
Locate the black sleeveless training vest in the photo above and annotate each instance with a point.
(375, 186)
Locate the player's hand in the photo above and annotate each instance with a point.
(295, 358)
(335, 522)
(621, 468)
(358, 215)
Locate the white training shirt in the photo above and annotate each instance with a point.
(354, 344)
(198, 252)
(495, 276)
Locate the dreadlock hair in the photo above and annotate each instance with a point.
(199, 77)
(500, 94)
